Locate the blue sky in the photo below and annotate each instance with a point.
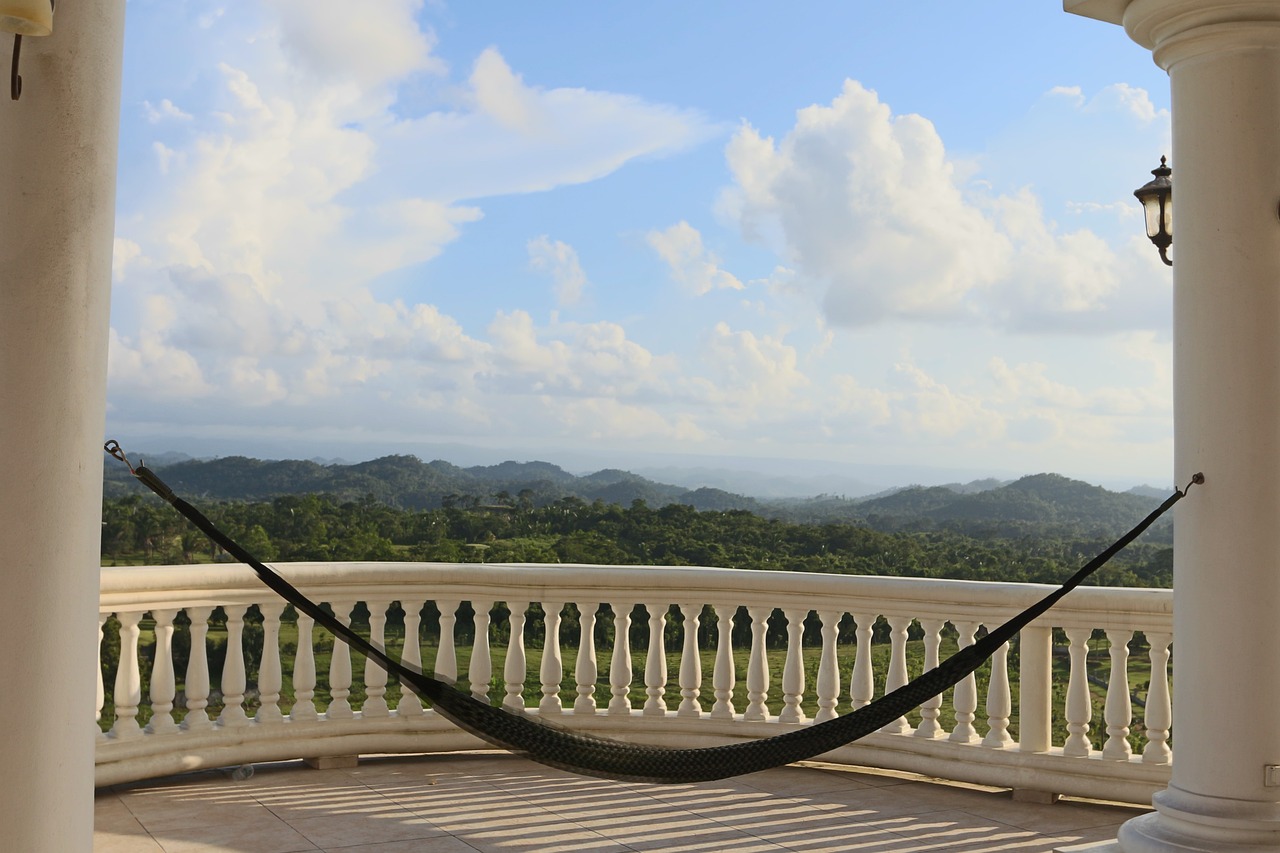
(621, 234)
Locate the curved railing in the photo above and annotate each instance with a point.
(1028, 721)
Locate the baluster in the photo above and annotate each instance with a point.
(725, 678)
(446, 666)
(340, 667)
(375, 677)
(655, 667)
(929, 708)
(620, 663)
(197, 679)
(102, 690)
(516, 667)
(1117, 711)
(411, 655)
(690, 663)
(480, 672)
(128, 692)
(304, 672)
(897, 675)
(1035, 688)
(861, 686)
(586, 670)
(1159, 714)
(233, 675)
(162, 680)
(828, 667)
(552, 670)
(999, 701)
(270, 678)
(965, 696)
(1079, 702)
(793, 669)
(758, 666)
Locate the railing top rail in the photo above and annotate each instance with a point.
(145, 587)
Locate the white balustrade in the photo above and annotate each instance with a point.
(552, 670)
(1053, 737)
(480, 672)
(197, 679)
(793, 668)
(128, 689)
(304, 672)
(828, 667)
(446, 666)
(929, 726)
(270, 677)
(1079, 699)
(620, 663)
(586, 670)
(897, 675)
(655, 664)
(964, 698)
(758, 665)
(163, 684)
(102, 692)
(411, 654)
(340, 667)
(233, 674)
(375, 677)
(515, 668)
(862, 685)
(1159, 716)
(724, 678)
(999, 701)
(1118, 711)
(690, 663)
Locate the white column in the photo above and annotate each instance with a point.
(57, 216)
(1223, 59)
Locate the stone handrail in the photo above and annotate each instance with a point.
(900, 613)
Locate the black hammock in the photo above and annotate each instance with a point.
(588, 755)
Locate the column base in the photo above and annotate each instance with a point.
(1194, 823)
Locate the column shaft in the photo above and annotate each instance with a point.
(57, 201)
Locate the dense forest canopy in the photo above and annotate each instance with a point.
(1037, 529)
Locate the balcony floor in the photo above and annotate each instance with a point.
(468, 802)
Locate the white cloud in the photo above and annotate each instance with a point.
(758, 372)
(560, 262)
(372, 43)
(879, 224)
(166, 110)
(691, 263)
(501, 93)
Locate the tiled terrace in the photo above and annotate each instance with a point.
(465, 802)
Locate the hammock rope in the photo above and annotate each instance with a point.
(589, 755)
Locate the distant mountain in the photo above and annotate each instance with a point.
(1150, 492)
(981, 507)
(410, 483)
(1039, 499)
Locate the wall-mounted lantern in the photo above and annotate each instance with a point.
(1157, 203)
(24, 18)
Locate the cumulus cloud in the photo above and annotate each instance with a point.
(376, 42)
(692, 265)
(166, 110)
(756, 371)
(880, 224)
(559, 261)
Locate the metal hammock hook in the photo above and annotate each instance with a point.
(15, 79)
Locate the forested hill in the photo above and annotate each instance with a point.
(1035, 503)
(406, 482)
